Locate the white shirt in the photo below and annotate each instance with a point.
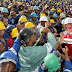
(39, 26)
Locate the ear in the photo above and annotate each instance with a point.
(31, 38)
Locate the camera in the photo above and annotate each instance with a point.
(63, 45)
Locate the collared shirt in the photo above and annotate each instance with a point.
(30, 57)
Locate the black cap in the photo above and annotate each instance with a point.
(25, 34)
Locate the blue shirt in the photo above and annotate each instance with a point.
(16, 9)
(68, 66)
(38, 17)
(14, 21)
(6, 35)
(44, 38)
(15, 49)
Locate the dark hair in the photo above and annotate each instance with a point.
(5, 63)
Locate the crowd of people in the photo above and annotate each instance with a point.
(35, 36)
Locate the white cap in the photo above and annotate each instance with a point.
(63, 21)
(8, 60)
(43, 18)
(68, 20)
(70, 8)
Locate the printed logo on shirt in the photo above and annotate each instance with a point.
(49, 48)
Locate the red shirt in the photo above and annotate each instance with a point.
(69, 45)
(10, 42)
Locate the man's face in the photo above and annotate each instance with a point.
(30, 11)
(63, 26)
(52, 24)
(33, 39)
(36, 11)
(23, 25)
(5, 14)
(1, 33)
(23, 2)
(13, 16)
(5, 21)
(19, 7)
(19, 27)
(51, 15)
(70, 15)
(68, 26)
(34, 18)
(43, 23)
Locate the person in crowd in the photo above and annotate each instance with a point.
(44, 28)
(5, 21)
(29, 45)
(9, 30)
(21, 23)
(3, 41)
(9, 59)
(52, 62)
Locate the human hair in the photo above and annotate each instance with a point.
(4, 64)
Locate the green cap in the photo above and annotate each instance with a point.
(52, 62)
(1, 0)
(24, 0)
